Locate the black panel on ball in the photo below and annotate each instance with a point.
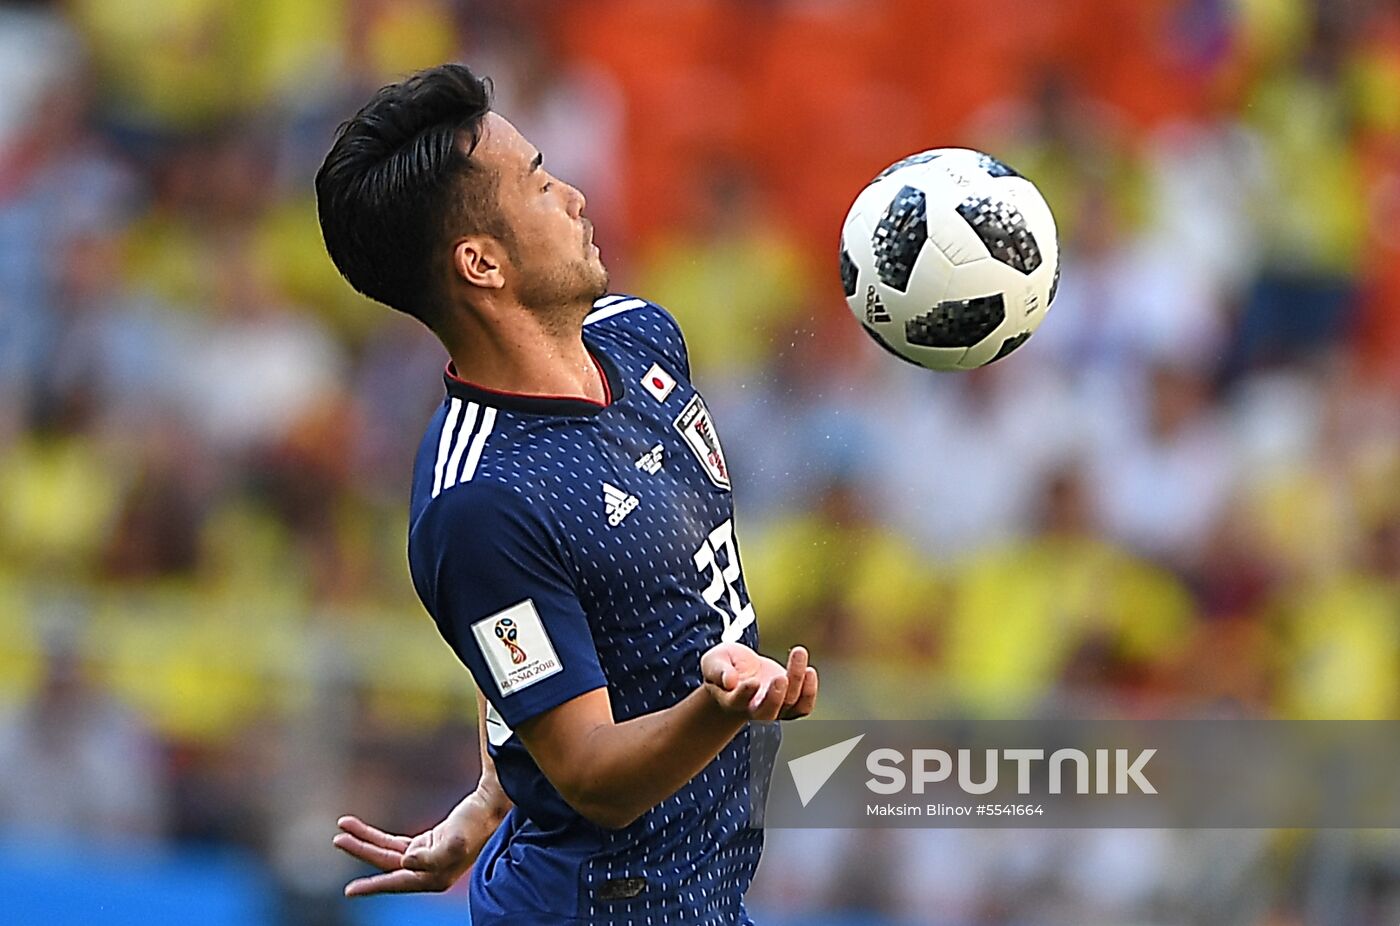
(956, 323)
(900, 237)
(994, 167)
(1009, 345)
(922, 157)
(885, 345)
(1002, 228)
(1054, 285)
(848, 272)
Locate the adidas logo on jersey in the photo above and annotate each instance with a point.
(617, 504)
(650, 462)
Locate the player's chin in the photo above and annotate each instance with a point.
(597, 277)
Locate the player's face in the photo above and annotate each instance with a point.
(554, 259)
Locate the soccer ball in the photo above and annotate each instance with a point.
(949, 259)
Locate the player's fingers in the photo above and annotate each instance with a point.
(717, 656)
(796, 669)
(768, 701)
(769, 708)
(420, 860)
(759, 693)
(745, 690)
(362, 830)
(738, 699)
(435, 855)
(807, 700)
(395, 882)
(378, 856)
(718, 669)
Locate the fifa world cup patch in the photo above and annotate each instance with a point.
(698, 428)
(517, 647)
(658, 382)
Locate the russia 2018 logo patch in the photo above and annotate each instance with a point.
(698, 429)
(517, 647)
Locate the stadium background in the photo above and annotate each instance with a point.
(1183, 496)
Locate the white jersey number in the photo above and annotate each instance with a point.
(722, 594)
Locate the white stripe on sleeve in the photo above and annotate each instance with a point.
(453, 410)
(449, 478)
(474, 457)
(615, 309)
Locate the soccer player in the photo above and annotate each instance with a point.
(570, 532)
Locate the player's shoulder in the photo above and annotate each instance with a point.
(486, 505)
(479, 457)
(639, 321)
(626, 312)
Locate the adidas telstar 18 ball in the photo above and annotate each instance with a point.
(949, 259)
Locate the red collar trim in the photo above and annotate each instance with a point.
(603, 378)
(535, 402)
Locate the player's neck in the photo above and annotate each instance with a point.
(528, 357)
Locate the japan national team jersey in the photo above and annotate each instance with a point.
(561, 546)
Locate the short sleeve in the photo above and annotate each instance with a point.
(495, 581)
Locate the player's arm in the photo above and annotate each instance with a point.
(612, 773)
(436, 859)
(496, 573)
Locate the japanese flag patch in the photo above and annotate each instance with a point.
(658, 382)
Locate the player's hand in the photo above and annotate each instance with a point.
(743, 682)
(431, 861)
(801, 694)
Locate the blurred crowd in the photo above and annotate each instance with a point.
(1183, 496)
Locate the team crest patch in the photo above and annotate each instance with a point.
(698, 429)
(517, 648)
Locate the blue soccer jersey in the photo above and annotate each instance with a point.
(563, 545)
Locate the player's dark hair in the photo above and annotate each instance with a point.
(399, 183)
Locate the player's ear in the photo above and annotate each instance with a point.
(477, 260)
